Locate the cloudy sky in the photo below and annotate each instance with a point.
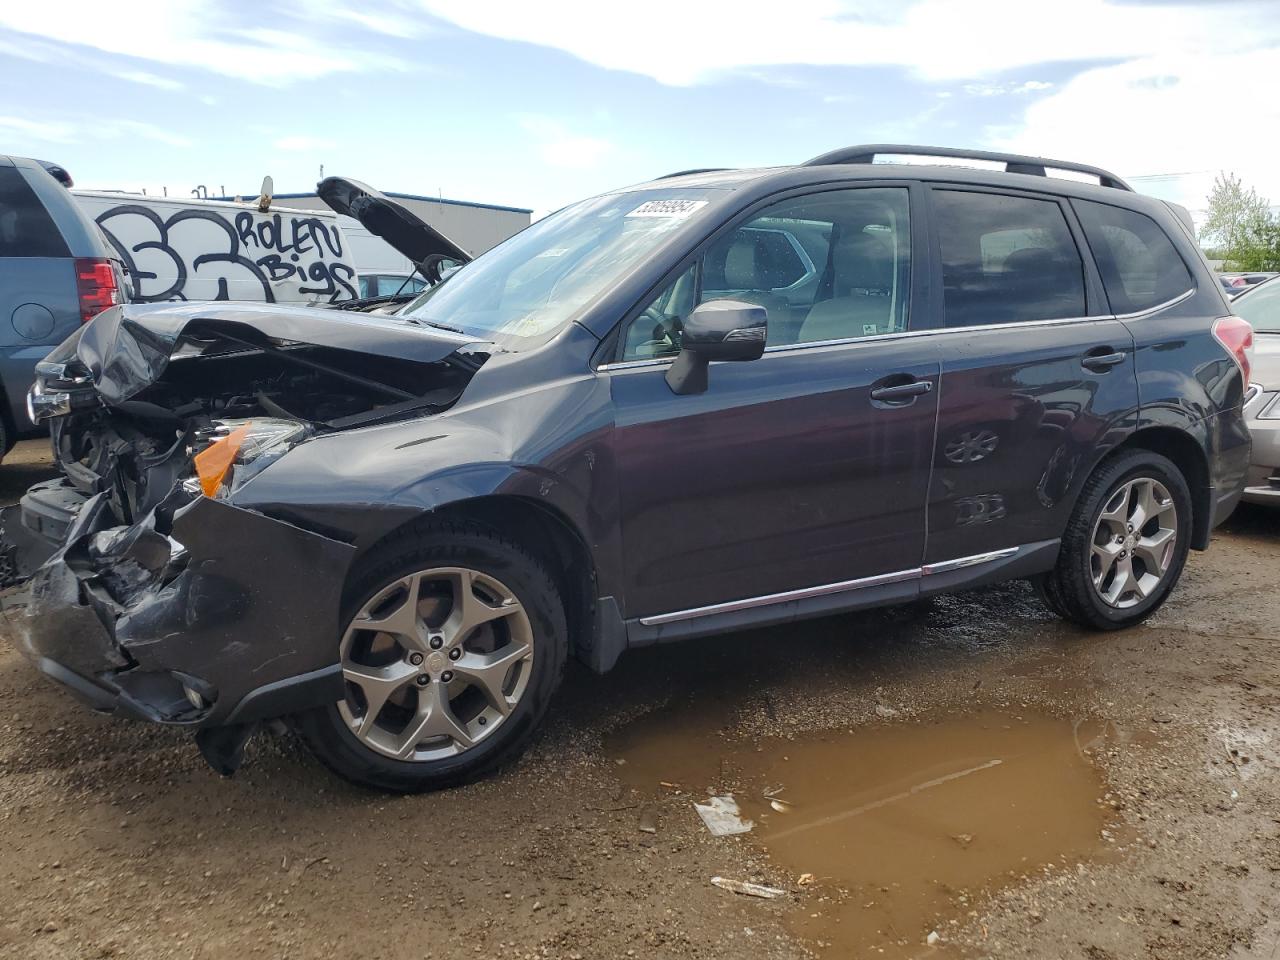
(537, 104)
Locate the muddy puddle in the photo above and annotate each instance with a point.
(890, 831)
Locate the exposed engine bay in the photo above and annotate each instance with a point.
(137, 400)
(137, 450)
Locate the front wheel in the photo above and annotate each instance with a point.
(1125, 545)
(453, 645)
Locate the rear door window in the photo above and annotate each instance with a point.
(26, 229)
(1139, 264)
(1006, 259)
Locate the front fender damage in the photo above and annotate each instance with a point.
(202, 614)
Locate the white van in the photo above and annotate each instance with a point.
(218, 250)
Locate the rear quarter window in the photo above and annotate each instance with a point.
(26, 229)
(1139, 264)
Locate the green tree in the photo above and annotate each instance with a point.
(1260, 245)
(1241, 225)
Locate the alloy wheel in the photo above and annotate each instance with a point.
(434, 663)
(1133, 542)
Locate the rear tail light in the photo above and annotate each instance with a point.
(1236, 337)
(97, 286)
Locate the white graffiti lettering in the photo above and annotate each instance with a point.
(202, 254)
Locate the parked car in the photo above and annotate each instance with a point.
(1237, 283)
(622, 427)
(1260, 305)
(56, 273)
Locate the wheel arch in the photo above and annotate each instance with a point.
(1188, 455)
(544, 531)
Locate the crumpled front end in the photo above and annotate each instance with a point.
(199, 614)
(134, 578)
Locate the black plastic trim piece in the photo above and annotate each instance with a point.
(289, 695)
(610, 638)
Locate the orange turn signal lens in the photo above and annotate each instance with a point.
(213, 462)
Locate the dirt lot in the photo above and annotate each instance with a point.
(118, 841)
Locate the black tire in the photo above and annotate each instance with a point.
(1069, 589)
(443, 544)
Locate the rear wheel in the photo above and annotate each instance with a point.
(1126, 543)
(452, 647)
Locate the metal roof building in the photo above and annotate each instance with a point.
(473, 226)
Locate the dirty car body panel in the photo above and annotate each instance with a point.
(822, 476)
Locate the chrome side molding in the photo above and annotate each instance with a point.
(826, 589)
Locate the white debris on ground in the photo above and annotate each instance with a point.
(748, 889)
(722, 816)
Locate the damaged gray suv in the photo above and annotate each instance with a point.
(717, 400)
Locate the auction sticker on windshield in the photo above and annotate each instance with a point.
(668, 208)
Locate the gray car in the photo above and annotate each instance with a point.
(1260, 305)
(56, 273)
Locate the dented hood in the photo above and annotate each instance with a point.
(127, 348)
(384, 217)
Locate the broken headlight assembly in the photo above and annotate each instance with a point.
(57, 391)
(42, 404)
(232, 451)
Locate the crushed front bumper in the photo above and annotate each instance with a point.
(202, 614)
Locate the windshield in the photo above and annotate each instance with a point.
(1260, 306)
(524, 290)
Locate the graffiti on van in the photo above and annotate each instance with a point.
(202, 254)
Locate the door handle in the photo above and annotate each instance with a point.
(900, 394)
(1102, 359)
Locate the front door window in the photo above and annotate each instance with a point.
(828, 266)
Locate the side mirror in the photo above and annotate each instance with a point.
(717, 330)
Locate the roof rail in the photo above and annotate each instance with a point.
(1013, 162)
(687, 173)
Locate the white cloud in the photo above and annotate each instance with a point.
(195, 33)
(680, 43)
(146, 79)
(39, 51)
(85, 129)
(303, 143)
(114, 129)
(558, 146)
(1173, 70)
(1162, 115)
(390, 24)
(41, 131)
(987, 89)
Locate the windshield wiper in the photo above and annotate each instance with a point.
(416, 321)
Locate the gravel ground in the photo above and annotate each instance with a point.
(118, 841)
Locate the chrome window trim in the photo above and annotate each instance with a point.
(928, 332)
(827, 589)
(1142, 314)
(897, 335)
